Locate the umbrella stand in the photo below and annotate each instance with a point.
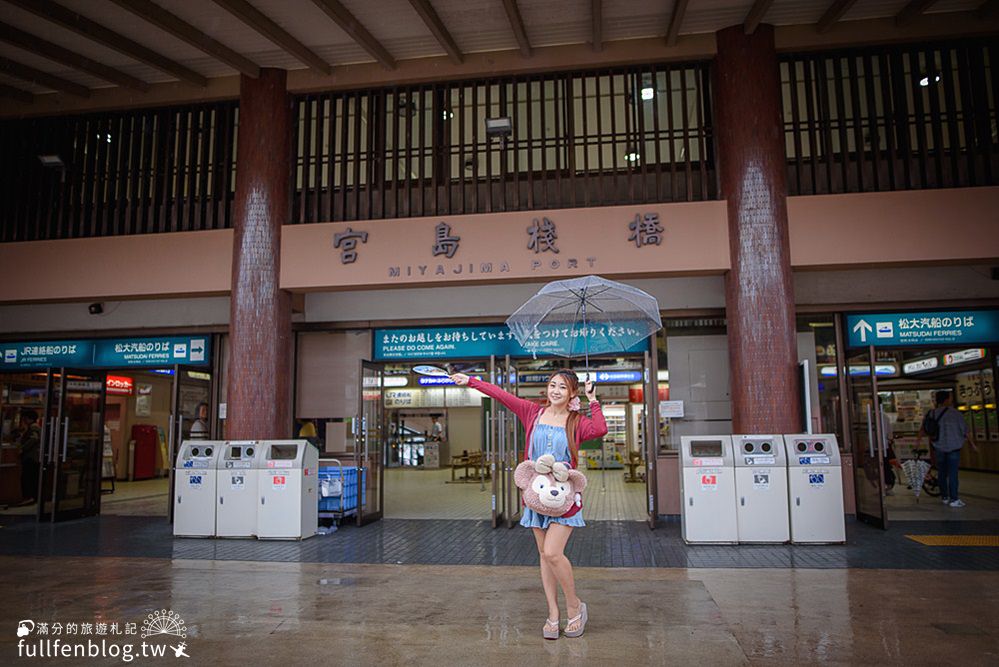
(586, 357)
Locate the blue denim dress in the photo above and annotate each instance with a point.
(546, 439)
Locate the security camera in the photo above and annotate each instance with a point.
(96, 308)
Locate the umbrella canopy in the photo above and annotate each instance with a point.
(584, 316)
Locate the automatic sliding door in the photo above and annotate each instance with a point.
(71, 476)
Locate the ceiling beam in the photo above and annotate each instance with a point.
(911, 11)
(13, 93)
(675, 21)
(252, 17)
(517, 23)
(357, 32)
(597, 19)
(755, 15)
(987, 9)
(170, 23)
(96, 32)
(25, 73)
(54, 52)
(436, 26)
(832, 15)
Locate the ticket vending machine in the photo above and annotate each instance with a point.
(761, 488)
(236, 479)
(815, 489)
(707, 488)
(287, 488)
(194, 488)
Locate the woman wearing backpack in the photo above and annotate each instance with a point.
(947, 431)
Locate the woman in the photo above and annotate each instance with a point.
(555, 428)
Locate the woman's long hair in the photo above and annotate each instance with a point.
(574, 415)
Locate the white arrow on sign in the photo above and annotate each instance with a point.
(864, 328)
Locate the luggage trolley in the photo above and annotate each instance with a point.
(337, 490)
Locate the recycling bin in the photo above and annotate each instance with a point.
(707, 488)
(815, 488)
(236, 477)
(761, 488)
(287, 487)
(194, 488)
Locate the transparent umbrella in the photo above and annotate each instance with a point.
(583, 316)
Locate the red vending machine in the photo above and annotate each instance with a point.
(146, 437)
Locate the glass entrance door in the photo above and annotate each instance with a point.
(511, 450)
(72, 445)
(370, 443)
(494, 416)
(650, 434)
(866, 430)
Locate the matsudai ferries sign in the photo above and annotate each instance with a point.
(945, 327)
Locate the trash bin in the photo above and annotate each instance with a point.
(237, 472)
(194, 488)
(815, 488)
(287, 486)
(761, 488)
(707, 488)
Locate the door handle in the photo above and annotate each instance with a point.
(262, 500)
(221, 500)
(742, 501)
(870, 433)
(50, 441)
(690, 501)
(65, 438)
(797, 501)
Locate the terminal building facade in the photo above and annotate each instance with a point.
(256, 224)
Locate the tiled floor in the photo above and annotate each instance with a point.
(241, 613)
(980, 490)
(448, 542)
(429, 494)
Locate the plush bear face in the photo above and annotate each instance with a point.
(543, 493)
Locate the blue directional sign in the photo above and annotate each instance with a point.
(472, 342)
(626, 376)
(953, 327)
(107, 353)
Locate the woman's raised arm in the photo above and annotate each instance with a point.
(523, 408)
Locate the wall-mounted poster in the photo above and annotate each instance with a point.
(144, 400)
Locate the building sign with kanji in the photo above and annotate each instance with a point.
(477, 341)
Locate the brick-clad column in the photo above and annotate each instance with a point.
(260, 314)
(759, 298)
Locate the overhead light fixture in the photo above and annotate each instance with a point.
(925, 81)
(499, 127)
(448, 114)
(648, 92)
(53, 161)
(632, 156)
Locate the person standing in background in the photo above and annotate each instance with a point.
(947, 432)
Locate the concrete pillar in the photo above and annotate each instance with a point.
(759, 296)
(259, 390)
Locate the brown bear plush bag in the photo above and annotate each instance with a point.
(549, 487)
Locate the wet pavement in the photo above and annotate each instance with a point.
(238, 613)
(460, 542)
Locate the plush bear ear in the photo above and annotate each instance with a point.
(578, 480)
(523, 475)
